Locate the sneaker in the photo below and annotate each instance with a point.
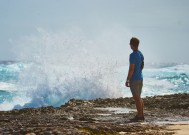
(136, 118)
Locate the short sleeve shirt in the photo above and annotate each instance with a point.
(136, 58)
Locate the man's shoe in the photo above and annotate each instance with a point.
(136, 118)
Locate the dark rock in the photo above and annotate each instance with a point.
(86, 119)
(89, 120)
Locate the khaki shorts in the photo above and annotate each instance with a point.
(136, 87)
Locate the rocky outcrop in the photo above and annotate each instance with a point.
(82, 117)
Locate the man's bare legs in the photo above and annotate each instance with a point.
(139, 105)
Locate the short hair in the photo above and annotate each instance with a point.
(134, 41)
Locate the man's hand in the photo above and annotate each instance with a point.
(127, 84)
(130, 73)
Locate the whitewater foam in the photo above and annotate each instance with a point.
(62, 66)
(37, 87)
(15, 103)
(8, 86)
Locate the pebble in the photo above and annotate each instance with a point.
(30, 134)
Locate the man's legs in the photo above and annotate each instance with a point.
(139, 105)
(136, 89)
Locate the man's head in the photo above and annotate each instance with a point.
(134, 42)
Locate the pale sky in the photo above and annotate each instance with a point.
(161, 25)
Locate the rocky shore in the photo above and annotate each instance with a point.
(96, 117)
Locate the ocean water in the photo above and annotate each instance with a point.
(25, 85)
(54, 67)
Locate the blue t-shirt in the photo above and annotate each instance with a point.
(136, 58)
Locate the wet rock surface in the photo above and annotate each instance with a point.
(83, 117)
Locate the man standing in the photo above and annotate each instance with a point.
(135, 78)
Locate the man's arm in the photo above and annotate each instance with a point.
(130, 73)
(142, 65)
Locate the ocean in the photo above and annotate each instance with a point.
(31, 84)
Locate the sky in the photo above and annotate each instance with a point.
(161, 25)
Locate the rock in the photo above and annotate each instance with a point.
(81, 117)
(5, 120)
(86, 119)
(30, 134)
(64, 118)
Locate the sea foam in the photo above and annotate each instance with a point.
(63, 66)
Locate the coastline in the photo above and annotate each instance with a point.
(166, 115)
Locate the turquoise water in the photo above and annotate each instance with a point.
(30, 85)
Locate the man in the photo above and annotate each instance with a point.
(135, 78)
